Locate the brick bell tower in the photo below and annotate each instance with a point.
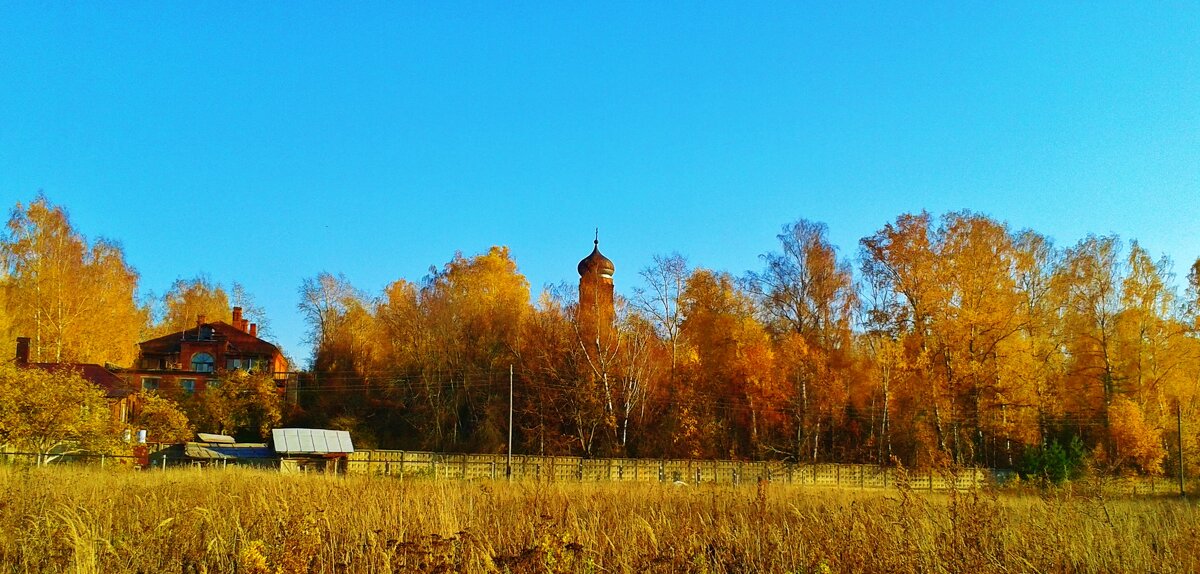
(596, 313)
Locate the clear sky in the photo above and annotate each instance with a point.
(266, 142)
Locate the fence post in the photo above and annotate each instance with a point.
(837, 474)
(464, 466)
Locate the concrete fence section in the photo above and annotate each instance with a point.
(574, 469)
(440, 466)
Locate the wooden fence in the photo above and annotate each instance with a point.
(404, 464)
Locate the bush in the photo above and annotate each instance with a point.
(1053, 462)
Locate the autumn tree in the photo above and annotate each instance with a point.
(734, 368)
(1090, 285)
(435, 353)
(75, 299)
(954, 307)
(475, 308)
(189, 299)
(661, 299)
(243, 404)
(161, 418)
(1191, 302)
(342, 331)
(1135, 442)
(324, 301)
(900, 262)
(561, 405)
(54, 411)
(978, 327)
(808, 298)
(1036, 366)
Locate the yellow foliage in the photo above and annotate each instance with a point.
(1133, 439)
(42, 410)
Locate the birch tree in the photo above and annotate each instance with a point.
(77, 301)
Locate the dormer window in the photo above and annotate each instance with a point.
(202, 363)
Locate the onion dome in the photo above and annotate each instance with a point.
(596, 263)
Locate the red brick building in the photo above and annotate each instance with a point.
(188, 361)
(116, 390)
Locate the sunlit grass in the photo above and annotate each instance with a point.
(78, 520)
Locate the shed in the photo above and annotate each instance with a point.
(204, 453)
(311, 449)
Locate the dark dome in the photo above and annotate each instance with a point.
(596, 263)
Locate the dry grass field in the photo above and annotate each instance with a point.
(254, 522)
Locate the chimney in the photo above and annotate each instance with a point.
(238, 322)
(22, 351)
(253, 329)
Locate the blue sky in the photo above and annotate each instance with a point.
(265, 143)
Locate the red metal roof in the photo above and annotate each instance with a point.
(113, 385)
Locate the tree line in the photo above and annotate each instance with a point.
(957, 341)
(941, 340)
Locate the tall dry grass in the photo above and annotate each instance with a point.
(253, 522)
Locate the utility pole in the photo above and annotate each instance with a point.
(1179, 435)
(508, 464)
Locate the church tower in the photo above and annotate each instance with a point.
(596, 314)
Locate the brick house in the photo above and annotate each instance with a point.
(116, 390)
(188, 361)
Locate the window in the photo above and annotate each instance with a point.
(150, 383)
(202, 363)
(212, 384)
(188, 385)
(243, 364)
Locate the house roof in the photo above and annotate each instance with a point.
(225, 451)
(311, 441)
(113, 385)
(234, 339)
